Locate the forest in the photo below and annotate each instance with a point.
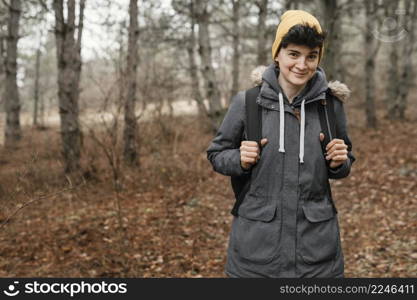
(108, 107)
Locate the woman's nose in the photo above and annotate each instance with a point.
(301, 64)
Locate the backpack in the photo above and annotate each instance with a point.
(241, 184)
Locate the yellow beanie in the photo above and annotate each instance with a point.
(288, 20)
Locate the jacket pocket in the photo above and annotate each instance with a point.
(257, 208)
(256, 241)
(318, 233)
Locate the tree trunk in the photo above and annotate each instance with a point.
(392, 90)
(332, 24)
(372, 44)
(69, 70)
(212, 90)
(78, 61)
(262, 55)
(120, 67)
(2, 57)
(236, 52)
(407, 71)
(42, 111)
(130, 127)
(13, 131)
(36, 89)
(195, 84)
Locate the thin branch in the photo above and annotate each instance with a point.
(6, 4)
(35, 200)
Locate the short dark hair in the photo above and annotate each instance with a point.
(304, 35)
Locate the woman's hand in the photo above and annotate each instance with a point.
(336, 151)
(249, 153)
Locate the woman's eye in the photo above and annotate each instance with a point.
(293, 54)
(312, 57)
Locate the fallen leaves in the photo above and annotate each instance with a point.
(175, 211)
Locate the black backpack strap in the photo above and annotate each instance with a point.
(331, 113)
(327, 119)
(241, 184)
(240, 187)
(253, 115)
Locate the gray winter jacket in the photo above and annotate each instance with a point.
(287, 225)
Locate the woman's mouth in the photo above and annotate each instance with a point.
(299, 74)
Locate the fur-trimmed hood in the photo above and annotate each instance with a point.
(339, 89)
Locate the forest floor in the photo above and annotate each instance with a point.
(171, 217)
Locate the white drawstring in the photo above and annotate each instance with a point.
(282, 127)
(281, 123)
(302, 131)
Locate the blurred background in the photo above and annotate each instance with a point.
(107, 109)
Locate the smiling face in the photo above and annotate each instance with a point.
(297, 64)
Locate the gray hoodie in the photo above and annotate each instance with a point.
(287, 224)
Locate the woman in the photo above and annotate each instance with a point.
(287, 224)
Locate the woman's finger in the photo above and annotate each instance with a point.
(340, 158)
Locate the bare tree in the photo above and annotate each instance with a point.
(3, 22)
(400, 69)
(332, 25)
(37, 90)
(392, 90)
(195, 82)
(262, 32)
(372, 44)
(228, 14)
(187, 9)
(202, 17)
(130, 126)
(36, 87)
(13, 131)
(68, 47)
(236, 43)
